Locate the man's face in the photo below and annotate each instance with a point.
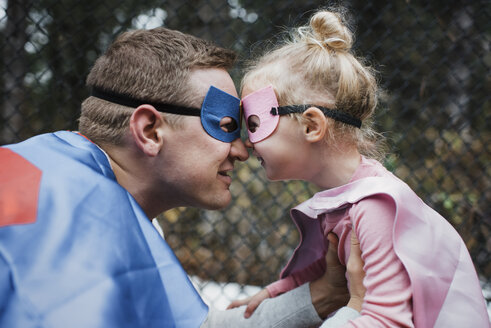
(196, 166)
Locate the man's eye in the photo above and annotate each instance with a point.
(228, 124)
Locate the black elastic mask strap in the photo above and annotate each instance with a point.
(128, 101)
(337, 115)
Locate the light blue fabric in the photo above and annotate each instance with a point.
(92, 258)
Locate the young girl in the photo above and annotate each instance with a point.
(308, 106)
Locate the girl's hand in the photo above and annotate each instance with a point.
(252, 302)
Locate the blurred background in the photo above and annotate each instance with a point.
(433, 59)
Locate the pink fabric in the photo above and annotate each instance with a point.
(410, 253)
(259, 103)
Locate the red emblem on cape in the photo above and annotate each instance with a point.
(19, 189)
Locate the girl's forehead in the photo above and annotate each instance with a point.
(256, 88)
(259, 97)
(253, 86)
(247, 89)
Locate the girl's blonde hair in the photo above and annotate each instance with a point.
(317, 66)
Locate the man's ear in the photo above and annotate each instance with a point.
(314, 125)
(146, 129)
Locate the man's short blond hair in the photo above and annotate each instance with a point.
(153, 65)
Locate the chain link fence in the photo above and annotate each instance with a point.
(434, 64)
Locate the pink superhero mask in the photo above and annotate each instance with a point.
(262, 113)
(259, 104)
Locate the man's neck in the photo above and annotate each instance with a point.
(132, 176)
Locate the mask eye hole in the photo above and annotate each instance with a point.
(228, 124)
(253, 123)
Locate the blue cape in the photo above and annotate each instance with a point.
(88, 256)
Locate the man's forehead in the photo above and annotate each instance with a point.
(203, 78)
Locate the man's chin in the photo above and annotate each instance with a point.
(218, 203)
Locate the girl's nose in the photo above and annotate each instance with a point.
(248, 143)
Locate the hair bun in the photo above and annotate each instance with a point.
(329, 30)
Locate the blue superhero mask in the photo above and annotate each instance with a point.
(217, 105)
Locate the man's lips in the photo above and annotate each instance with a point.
(223, 175)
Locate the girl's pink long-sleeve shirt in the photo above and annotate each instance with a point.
(390, 287)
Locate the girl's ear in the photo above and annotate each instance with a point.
(146, 129)
(315, 126)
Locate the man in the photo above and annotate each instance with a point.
(160, 130)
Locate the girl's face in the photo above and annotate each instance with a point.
(277, 141)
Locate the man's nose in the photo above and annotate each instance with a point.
(238, 150)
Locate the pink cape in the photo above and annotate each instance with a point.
(445, 286)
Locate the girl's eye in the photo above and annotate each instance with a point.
(228, 124)
(253, 123)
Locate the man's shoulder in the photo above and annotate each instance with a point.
(59, 177)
